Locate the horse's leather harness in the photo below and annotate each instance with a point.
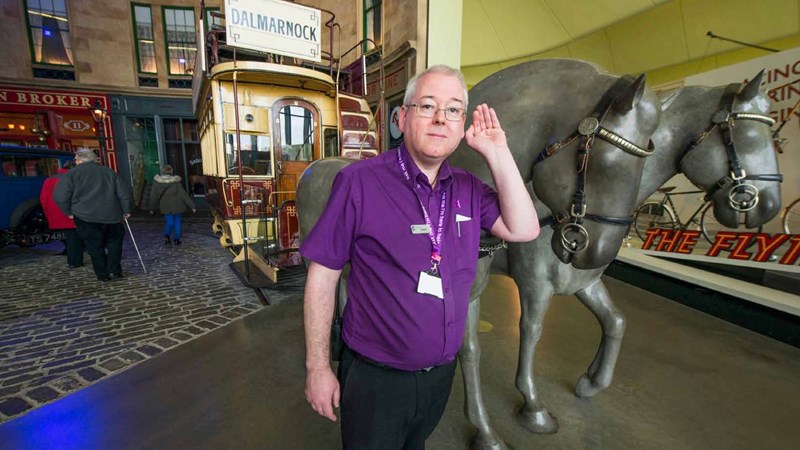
(724, 119)
(588, 129)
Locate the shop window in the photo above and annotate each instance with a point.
(181, 40)
(182, 145)
(148, 82)
(212, 21)
(54, 73)
(140, 134)
(143, 36)
(48, 29)
(372, 23)
(395, 135)
(179, 83)
(297, 133)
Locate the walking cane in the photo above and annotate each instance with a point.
(134, 245)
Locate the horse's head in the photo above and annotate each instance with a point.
(591, 187)
(734, 159)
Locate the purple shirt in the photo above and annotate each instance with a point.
(367, 222)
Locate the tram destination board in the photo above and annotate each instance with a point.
(274, 26)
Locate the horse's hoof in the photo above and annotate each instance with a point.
(488, 442)
(538, 421)
(586, 387)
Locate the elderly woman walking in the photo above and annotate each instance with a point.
(169, 196)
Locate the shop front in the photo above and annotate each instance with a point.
(152, 132)
(395, 77)
(64, 120)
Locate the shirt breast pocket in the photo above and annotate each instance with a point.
(465, 236)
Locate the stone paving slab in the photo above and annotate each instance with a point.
(61, 329)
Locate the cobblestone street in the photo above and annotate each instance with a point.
(61, 329)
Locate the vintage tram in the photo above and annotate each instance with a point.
(263, 118)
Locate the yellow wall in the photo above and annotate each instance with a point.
(444, 33)
(681, 71)
(667, 41)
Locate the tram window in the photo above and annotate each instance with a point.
(297, 134)
(256, 155)
(331, 139)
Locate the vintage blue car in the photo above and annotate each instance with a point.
(24, 170)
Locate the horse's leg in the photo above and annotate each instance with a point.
(533, 415)
(612, 321)
(470, 358)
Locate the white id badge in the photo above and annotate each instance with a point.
(420, 229)
(430, 284)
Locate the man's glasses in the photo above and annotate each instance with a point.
(451, 113)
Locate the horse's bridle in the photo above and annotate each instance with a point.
(588, 129)
(724, 119)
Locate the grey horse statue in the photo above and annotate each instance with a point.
(720, 139)
(579, 137)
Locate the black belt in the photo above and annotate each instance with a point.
(372, 362)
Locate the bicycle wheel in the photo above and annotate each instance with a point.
(710, 226)
(653, 215)
(790, 218)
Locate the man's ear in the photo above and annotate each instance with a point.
(401, 118)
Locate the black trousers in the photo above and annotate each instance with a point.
(388, 409)
(103, 241)
(74, 247)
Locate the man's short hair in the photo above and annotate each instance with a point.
(411, 87)
(86, 155)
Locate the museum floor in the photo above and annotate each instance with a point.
(685, 380)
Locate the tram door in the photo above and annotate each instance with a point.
(296, 143)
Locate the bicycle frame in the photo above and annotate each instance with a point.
(667, 200)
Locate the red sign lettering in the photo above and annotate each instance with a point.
(736, 244)
(18, 97)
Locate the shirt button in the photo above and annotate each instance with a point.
(418, 186)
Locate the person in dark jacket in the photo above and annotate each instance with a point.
(56, 220)
(98, 200)
(169, 196)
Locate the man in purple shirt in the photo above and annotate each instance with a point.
(409, 225)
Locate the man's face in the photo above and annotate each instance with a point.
(431, 140)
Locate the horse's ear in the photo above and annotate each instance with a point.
(751, 89)
(631, 95)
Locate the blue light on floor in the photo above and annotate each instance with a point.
(69, 423)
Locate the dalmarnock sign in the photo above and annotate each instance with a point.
(274, 26)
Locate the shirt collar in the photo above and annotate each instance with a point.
(444, 178)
